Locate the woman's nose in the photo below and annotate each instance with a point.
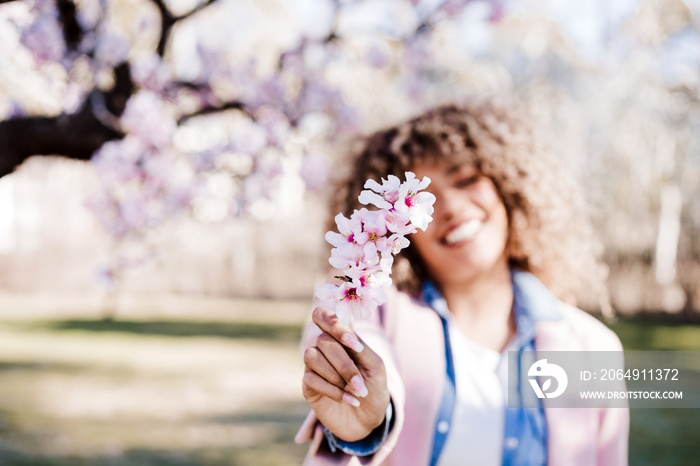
(448, 204)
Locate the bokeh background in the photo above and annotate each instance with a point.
(165, 169)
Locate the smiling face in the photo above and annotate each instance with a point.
(469, 232)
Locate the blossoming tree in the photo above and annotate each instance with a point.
(123, 103)
(129, 102)
(158, 105)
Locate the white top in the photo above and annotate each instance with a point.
(478, 423)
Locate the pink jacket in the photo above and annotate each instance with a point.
(410, 341)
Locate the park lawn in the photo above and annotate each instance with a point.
(211, 390)
(661, 436)
(150, 390)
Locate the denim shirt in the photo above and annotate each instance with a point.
(525, 435)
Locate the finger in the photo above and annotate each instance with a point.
(338, 357)
(315, 361)
(328, 322)
(314, 384)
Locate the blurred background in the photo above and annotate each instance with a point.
(165, 169)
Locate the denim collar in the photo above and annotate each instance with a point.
(533, 303)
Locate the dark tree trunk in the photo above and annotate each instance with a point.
(79, 135)
(74, 136)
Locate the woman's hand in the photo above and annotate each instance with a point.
(344, 380)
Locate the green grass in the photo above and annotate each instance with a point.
(648, 333)
(661, 436)
(168, 328)
(161, 391)
(150, 391)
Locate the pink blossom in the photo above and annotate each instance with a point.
(496, 11)
(397, 243)
(417, 206)
(353, 255)
(259, 184)
(404, 200)
(112, 49)
(256, 186)
(16, 110)
(381, 195)
(319, 97)
(247, 138)
(147, 117)
(342, 258)
(453, 7)
(211, 64)
(397, 222)
(361, 239)
(88, 14)
(376, 57)
(43, 7)
(351, 299)
(372, 237)
(150, 72)
(363, 248)
(134, 211)
(314, 171)
(276, 125)
(117, 160)
(73, 97)
(347, 227)
(270, 92)
(44, 39)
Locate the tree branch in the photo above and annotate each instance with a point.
(194, 10)
(330, 37)
(72, 32)
(115, 98)
(166, 23)
(233, 105)
(168, 20)
(74, 136)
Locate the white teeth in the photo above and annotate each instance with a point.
(464, 231)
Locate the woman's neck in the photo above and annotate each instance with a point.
(482, 307)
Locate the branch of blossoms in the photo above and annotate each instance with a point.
(367, 241)
(146, 179)
(168, 20)
(305, 42)
(232, 105)
(194, 10)
(72, 32)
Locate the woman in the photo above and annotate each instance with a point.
(423, 381)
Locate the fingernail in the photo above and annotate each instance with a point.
(351, 341)
(359, 386)
(351, 400)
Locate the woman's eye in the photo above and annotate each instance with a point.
(468, 181)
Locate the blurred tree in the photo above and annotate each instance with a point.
(205, 106)
(169, 122)
(123, 101)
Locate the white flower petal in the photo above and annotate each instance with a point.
(424, 198)
(343, 311)
(344, 224)
(335, 239)
(373, 185)
(424, 183)
(369, 197)
(327, 295)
